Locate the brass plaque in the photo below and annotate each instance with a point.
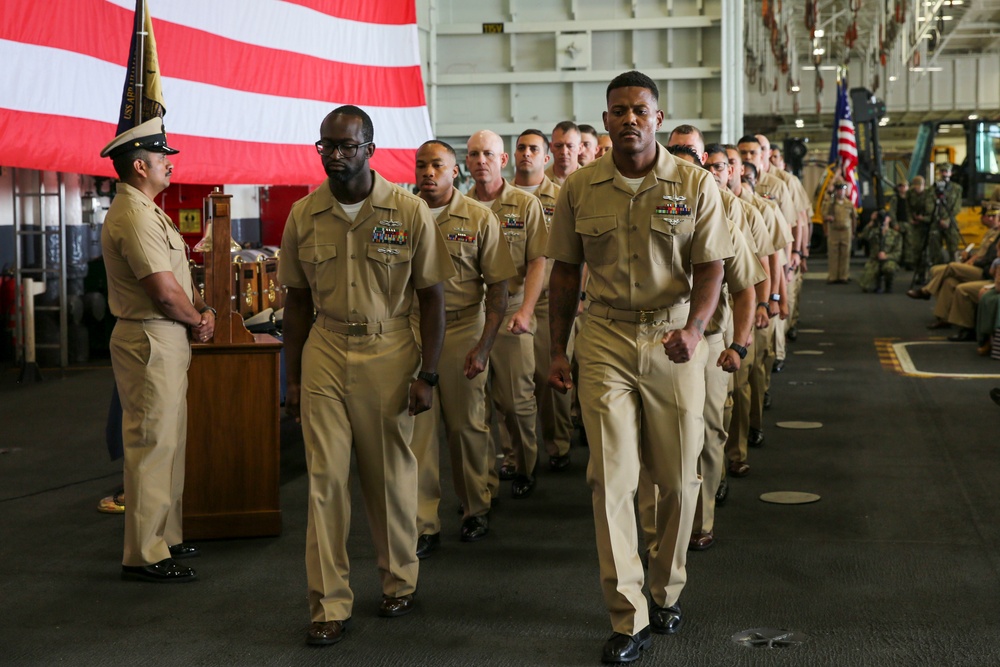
(492, 28)
(190, 219)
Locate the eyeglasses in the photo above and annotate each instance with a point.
(324, 147)
(717, 166)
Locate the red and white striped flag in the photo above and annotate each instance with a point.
(844, 149)
(248, 83)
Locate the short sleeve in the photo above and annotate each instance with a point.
(290, 273)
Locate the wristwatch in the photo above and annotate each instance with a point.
(775, 297)
(429, 378)
(762, 304)
(206, 309)
(739, 349)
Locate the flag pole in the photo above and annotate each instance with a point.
(140, 38)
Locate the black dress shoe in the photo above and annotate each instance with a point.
(918, 293)
(722, 493)
(995, 395)
(701, 541)
(622, 648)
(507, 471)
(324, 633)
(963, 336)
(184, 550)
(391, 607)
(739, 468)
(426, 544)
(792, 334)
(755, 438)
(767, 400)
(475, 528)
(779, 365)
(522, 487)
(559, 463)
(164, 572)
(665, 620)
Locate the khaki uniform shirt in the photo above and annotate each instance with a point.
(781, 233)
(794, 186)
(550, 173)
(138, 240)
(523, 225)
(741, 271)
(366, 270)
(547, 193)
(477, 248)
(640, 247)
(774, 188)
(750, 221)
(843, 214)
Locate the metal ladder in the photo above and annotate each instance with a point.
(24, 230)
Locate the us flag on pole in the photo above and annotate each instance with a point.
(248, 82)
(844, 147)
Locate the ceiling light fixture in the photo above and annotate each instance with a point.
(795, 89)
(818, 52)
(818, 33)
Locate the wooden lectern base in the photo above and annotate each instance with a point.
(232, 472)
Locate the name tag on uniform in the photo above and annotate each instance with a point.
(387, 234)
(511, 221)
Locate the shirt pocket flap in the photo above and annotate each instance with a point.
(596, 225)
(315, 254)
(389, 254)
(671, 226)
(462, 249)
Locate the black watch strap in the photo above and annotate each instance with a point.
(739, 349)
(429, 378)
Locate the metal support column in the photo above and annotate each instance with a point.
(41, 270)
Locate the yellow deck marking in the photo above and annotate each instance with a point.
(895, 358)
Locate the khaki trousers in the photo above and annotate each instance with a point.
(760, 376)
(964, 302)
(150, 361)
(355, 394)
(512, 393)
(838, 244)
(639, 406)
(795, 298)
(946, 282)
(554, 408)
(461, 404)
(711, 463)
(739, 425)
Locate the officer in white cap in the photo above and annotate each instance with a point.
(159, 313)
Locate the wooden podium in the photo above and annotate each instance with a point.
(232, 472)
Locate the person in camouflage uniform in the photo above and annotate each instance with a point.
(916, 200)
(885, 245)
(899, 208)
(943, 202)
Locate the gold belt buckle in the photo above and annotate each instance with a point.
(646, 316)
(357, 329)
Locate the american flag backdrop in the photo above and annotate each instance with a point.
(844, 147)
(246, 83)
